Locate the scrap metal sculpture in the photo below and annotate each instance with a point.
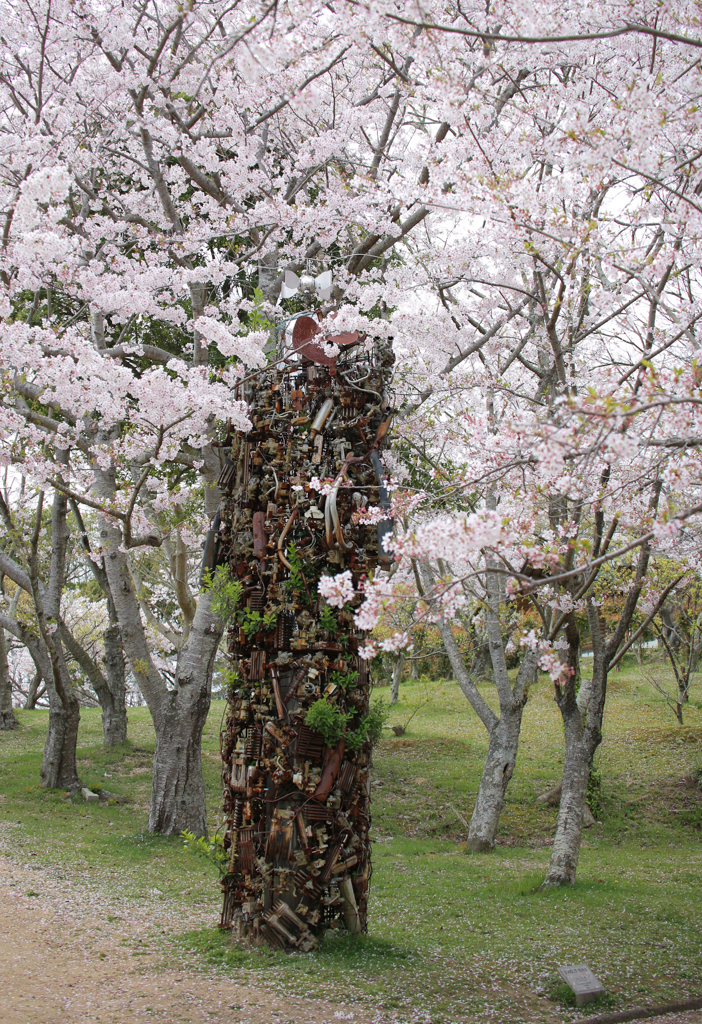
(296, 744)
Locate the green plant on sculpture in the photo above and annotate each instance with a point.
(296, 580)
(224, 590)
(212, 849)
(252, 622)
(327, 620)
(232, 681)
(344, 680)
(328, 720)
(303, 577)
(369, 728)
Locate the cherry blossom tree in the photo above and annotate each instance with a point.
(510, 192)
(568, 272)
(153, 157)
(8, 719)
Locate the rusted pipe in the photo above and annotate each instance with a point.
(321, 417)
(282, 537)
(330, 771)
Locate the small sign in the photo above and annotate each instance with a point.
(583, 983)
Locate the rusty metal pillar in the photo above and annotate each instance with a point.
(296, 798)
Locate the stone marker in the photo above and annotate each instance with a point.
(583, 983)
(92, 798)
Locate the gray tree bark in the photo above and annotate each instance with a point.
(396, 677)
(503, 730)
(178, 788)
(583, 724)
(8, 719)
(179, 714)
(35, 691)
(114, 709)
(110, 685)
(497, 772)
(59, 769)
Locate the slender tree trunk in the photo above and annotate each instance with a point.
(113, 701)
(584, 695)
(482, 666)
(499, 766)
(58, 768)
(579, 753)
(503, 731)
(396, 677)
(179, 714)
(414, 669)
(583, 725)
(7, 715)
(504, 735)
(109, 686)
(35, 691)
(683, 691)
(695, 650)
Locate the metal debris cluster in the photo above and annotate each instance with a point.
(296, 801)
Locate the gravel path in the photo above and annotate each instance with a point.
(73, 951)
(62, 961)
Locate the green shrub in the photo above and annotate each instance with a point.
(370, 728)
(212, 849)
(225, 590)
(328, 720)
(327, 620)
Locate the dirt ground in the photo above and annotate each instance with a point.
(65, 958)
(63, 962)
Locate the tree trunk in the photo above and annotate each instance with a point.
(178, 786)
(58, 768)
(179, 715)
(503, 732)
(414, 669)
(695, 650)
(482, 666)
(584, 695)
(499, 766)
(504, 735)
(683, 691)
(669, 629)
(35, 691)
(396, 677)
(579, 754)
(114, 709)
(7, 715)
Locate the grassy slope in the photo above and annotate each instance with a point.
(452, 937)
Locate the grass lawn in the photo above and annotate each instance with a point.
(453, 936)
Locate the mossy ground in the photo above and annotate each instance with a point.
(453, 936)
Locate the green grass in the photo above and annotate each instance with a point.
(453, 937)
